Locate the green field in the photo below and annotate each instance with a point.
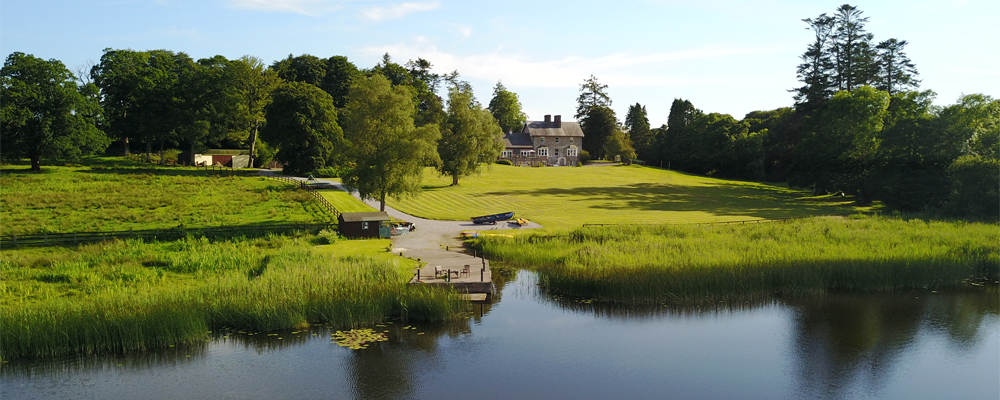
(89, 199)
(570, 197)
(344, 202)
(810, 256)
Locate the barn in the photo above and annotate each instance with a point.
(364, 225)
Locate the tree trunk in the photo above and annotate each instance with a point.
(125, 145)
(192, 153)
(382, 202)
(454, 180)
(149, 149)
(36, 164)
(161, 151)
(253, 146)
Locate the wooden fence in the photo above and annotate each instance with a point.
(57, 239)
(309, 189)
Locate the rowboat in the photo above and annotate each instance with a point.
(492, 218)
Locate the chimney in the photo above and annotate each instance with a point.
(548, 120)
(558, 121)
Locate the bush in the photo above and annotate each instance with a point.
(584, 156)
(975, 190)
(504, 162)
(328, 172)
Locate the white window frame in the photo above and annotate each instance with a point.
(572, 152)
(543, 151)
(541, 140)
(525, 153)
(557, 139)
(506, 154)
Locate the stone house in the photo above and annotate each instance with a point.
(549, 142)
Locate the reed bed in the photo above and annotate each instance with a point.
(800, 257)
(133, 296)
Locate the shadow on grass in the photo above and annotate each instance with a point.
(722, 199)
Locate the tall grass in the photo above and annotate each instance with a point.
(131, 296)
(801, 257)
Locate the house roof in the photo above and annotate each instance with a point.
(365, 216)
(541, 128)
(517, 140)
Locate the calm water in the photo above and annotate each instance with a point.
(530, 345)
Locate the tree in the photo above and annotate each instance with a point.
(302, 123)
(592, 95)
(44, 114)
(254, 84)
(598, 124)
(470, 137)
(637, 126)
(853, 54)
(896, 72)
(337, 80)
(817, 65)
(305, 68)
(124, 79)
(841, 153)
(388, 152)
(506, 108)
(619, 146)
(671, 143)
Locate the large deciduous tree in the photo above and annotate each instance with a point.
(302, 123)
(254, 84)
(506, 108)
(388, 152)
(43, 112)
(470, 137)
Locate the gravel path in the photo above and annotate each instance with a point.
(429, 233)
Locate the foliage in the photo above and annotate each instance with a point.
(975, 188)
(304, 68)
(388, 151)
(504, 161)
(44, 114)
(506, 108)
(599, 124)
(253, 84)
(470, 137)
(592, 95)
(637, 126)
(340, 73)
(302, 124)
(619, 146)
(896, 72)
(814, 256)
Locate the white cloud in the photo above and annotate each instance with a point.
(465, 30)
(379, 14)
(515, 69)
(305, 7)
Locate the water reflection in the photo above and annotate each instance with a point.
(831, 347)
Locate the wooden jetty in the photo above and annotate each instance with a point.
(466, 273)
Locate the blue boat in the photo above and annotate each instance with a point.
(493, 218)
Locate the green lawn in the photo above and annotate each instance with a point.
(568, 197)
(80, 198)
(344, 202)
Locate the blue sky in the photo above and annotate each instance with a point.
(725, 56)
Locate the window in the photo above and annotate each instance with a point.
(557, 152)
(572, 151)
(557, 141)
(525, 153)
(543, 151)
(506, 154)
(571, 140)
(364, 225)
(541, 140)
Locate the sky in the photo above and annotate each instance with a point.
(724, 56)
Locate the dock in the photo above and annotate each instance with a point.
(445, 268)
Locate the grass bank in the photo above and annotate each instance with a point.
(568, 197)
(118, 198)
(132, 296)
(810, 256)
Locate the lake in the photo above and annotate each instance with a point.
(530, 344)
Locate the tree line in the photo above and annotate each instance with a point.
(380, 127)
(859, 126)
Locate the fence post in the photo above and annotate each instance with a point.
(15, 240)
(46, 238)
(74, 237)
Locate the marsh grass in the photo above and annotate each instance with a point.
(131, 296)
(100, 198)
(714, 261)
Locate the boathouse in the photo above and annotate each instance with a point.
(364, 225)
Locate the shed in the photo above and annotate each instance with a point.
(364, 224)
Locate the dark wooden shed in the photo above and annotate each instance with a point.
(364, 224)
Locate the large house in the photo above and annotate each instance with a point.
(548, 142)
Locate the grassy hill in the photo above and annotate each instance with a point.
(570, 197)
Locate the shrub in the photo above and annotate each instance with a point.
(975, 190)
(584, 156)
(328, 172)
(504, 162)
